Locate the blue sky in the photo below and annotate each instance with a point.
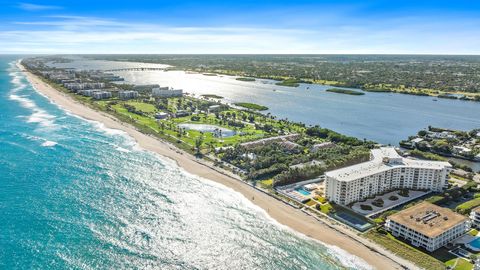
(403, 27)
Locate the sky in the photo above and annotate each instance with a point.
(240, 27)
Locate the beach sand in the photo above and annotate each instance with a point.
(330, 234)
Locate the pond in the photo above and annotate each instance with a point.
(216, 130)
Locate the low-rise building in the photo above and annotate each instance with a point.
(265, 141)
(161, 115)
(385, 171)
(83, 86)
(127, 94)
(164, 92)
(214, 108)
(102, 95)
(427, 225)
(475, 216)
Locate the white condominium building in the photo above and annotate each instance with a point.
(164, 92)
(128, 94)
(475, 216)
(385, 171)
(427, 225)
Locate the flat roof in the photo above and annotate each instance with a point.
(428, 219)
(378, 164)
(476, 209)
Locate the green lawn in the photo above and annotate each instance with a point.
(465, 207)
(268, 183)
(461, 264)
(144, 107)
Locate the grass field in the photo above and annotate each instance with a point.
(460, 264)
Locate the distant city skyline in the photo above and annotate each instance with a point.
(240, 27)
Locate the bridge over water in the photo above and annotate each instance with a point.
(134, 69)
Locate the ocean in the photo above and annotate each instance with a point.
(77, 195)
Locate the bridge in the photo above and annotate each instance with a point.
(134, 69)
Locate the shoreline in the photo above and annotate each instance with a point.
(328, 234)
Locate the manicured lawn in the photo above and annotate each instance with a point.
(461, 264)
(144, 107)
(467, 206)
(268, 183)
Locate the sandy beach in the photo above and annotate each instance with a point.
(330, 234)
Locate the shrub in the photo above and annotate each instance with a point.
(378, 202)
(321, 199)
(404, 192)
(393, 198)
(365, 207)
(195, 118)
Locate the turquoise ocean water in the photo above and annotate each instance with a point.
(76, 195)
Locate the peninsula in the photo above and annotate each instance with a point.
(325, 230)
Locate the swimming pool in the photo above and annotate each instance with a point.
(475, 243)
(303, 191)
(216, 130)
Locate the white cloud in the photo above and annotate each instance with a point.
(36, 7)
(76, 34)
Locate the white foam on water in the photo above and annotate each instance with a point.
(345, 258)
(121, 149)
(39, 115)
(49, 144)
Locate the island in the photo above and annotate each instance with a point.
(251, 106)
(404, 74)
(345, 91)
(212, 96)
(245, 79)
(291, 82)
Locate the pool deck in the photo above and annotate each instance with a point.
(466, 240)
(388, 204)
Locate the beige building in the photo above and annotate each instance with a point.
(385, 171)
(427, 225)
